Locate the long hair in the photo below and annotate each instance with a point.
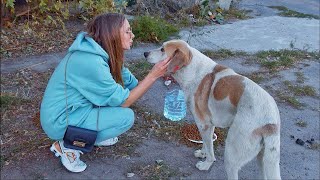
(105, 30)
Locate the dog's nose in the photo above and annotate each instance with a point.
(146, 54)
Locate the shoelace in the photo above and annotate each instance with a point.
(72, 155)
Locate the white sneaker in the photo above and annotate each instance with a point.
(70, 158)
(108, 142)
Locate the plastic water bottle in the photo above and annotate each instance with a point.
(174, 105)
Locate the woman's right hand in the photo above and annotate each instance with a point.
(157, 71)
(160, 68)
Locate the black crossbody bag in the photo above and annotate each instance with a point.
(75, 137)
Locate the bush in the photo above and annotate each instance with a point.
(152, 29)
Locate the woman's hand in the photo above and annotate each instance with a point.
(157, 71)
(160, 68)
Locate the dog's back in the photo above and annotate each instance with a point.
(236, 94)
(253, 118)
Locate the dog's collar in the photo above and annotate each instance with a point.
(175, 69)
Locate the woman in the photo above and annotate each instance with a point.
(95, 76)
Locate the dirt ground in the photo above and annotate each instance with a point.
(154, 148)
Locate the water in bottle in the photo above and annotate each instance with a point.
(174, 105)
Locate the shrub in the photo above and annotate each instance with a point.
(152, 29)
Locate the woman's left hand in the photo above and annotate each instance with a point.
(160, 68)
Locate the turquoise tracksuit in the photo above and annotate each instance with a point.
(89, 84)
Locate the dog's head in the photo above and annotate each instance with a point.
(178, 50)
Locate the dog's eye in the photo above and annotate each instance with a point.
(162, 49)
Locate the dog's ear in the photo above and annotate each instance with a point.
(178, 60)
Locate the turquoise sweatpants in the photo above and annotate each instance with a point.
(113, 121)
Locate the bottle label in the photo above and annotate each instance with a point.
(174, 105)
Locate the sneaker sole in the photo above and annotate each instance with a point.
(107, 144)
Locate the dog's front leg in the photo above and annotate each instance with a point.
(201, 153)
(207, 147)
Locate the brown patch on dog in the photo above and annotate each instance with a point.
(181, 55)
(178, 60)
(231, 86)
(203, 92)
(219, 68)
(201, 96)
(266, 130)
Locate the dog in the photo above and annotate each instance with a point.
(219, 97)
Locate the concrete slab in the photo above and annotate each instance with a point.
(259, 34)
(260, 8)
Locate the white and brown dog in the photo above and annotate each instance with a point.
(219, 97)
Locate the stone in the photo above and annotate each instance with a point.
(225, 4)
(300, 142)
(129, 175)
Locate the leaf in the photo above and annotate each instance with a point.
(10, 3)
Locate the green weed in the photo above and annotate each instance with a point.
(315, 146)
(152, 29)
(292, 101)
(234, 13)
(7, 100)
(301, 123)
(156, 171)
(300, 77)
(223, 53)
(300, 90)
(275, 60)
(256, 77)
(290, 13)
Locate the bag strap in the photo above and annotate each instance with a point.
(65, 92)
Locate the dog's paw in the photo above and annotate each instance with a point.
(203, 165)
(199, 154)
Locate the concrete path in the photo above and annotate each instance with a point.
(267, 33)
(259, 34)
(261, 8)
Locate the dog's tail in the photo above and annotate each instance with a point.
(269, 156)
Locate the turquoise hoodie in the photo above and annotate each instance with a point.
(88, 81)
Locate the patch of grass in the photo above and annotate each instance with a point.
(292, 101)
(300, 77)
(139, 68)
(286, 52)
(234, 13)
(282, 61)
(301, 123)
(300, 90)
(256, 77)
(7, 100)
(184, 22)
(152, 29)
(3, 160)
(223, 53)
(156, 171)
(201, 22)
(291, 13)
(276, 60)
(315, 146)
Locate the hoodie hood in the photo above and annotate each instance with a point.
(85, 43)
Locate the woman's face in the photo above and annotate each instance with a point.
(126, 35)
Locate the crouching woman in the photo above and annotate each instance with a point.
(94, 80)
